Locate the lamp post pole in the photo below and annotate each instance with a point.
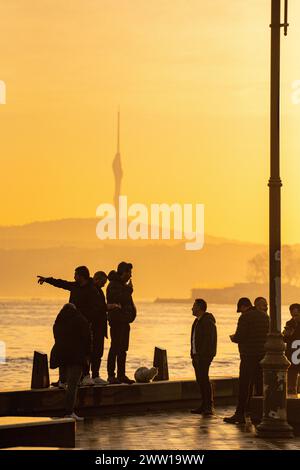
(275, 363)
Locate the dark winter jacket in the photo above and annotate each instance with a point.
(72, 338)
(205, 337)
(85, 298)
(100, 322)
(251, 332)
(291, 333)
(119, 293)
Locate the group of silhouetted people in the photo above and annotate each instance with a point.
(81, 328)
(251, 335)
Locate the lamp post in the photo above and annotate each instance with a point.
(275, 363)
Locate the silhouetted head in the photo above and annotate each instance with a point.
(100, 279)
(261, 304)
(243, 304)
(199, 307)
(67, 312)
(82, 275)
(125, 271)
(295, 310)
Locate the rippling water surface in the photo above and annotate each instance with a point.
(26, 326)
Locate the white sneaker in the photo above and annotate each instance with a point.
(99, 381)
(62, 385)
(74, 416)
(87, 380)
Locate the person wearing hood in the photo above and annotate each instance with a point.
(251, 336)
(119, 291)
(203, 350)
(71, 351)
(84, 295)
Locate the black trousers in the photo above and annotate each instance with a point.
(71, 375)
(250, 375)
(118, 349)
(96, 353)
(201, 367)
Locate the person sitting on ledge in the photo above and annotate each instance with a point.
(70, 352)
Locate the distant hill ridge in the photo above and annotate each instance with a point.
(75, 232)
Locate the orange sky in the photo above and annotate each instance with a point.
(192, 80)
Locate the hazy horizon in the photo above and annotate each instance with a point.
(194, 119)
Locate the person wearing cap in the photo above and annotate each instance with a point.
(119, 291)
(250, 335)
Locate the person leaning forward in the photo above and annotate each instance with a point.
(70, 352)
(250, 335)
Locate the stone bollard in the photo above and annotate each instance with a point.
(161, 362)
(40, 371)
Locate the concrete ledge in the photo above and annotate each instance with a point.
(37, 432)
(112, 398)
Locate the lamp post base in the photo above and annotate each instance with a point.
(275, 364)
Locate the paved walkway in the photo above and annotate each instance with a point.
(173, 430)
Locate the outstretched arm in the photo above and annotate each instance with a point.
(60, 283)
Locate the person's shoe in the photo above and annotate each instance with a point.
(235, 419)
(99, 381)
(62, 385)
(126, 380)
(197, 411)
(87, 381)
(75, 416)
(113, 380)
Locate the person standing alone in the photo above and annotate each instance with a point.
(203, 350)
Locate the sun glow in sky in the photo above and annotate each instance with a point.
(192, 80)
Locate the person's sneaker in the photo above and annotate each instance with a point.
(99, 381)
(87, 381)
(197, 411)
(126, 380)
(113, 381)
(75, 416)
(62, 385)
(235, 419)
